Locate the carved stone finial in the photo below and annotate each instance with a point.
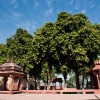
(10, 60)
(97, 62)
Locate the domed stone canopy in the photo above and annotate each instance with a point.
(95, 75)
(11, 69)
(10, 66)
(96, 65)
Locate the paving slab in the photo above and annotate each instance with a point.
(49, 96)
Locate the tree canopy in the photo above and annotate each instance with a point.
(20, 48)
(3, 53)
(72, 42)
(78, 41)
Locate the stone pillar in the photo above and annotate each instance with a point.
(11, 83)
(53, 86)
(5, 82)
(20, 84)
(98, 80)
(60, 85)
(92, 84)
(27, 84)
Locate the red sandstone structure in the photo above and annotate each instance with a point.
(95, 75)
(10, 71)
(57, 80)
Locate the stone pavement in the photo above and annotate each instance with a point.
(49, 96)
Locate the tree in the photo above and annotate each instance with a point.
(62, 29)
(20, 49)
(85, 46)
(3, 53)
(45, 48)
(97, 27)
(72, 42)
(80, 43)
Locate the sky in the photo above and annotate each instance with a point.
(33, 14)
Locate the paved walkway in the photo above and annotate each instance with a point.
(49, 96)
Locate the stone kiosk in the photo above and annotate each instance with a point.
(10, 73)
(95, 75)
(57, 80)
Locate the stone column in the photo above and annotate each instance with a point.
(5, 82)
(11, 83)
(98, 81)
(60, 85)
(92, 83)
(27, 84)
(53, 86)
(20, 83)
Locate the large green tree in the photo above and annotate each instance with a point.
(72, 42)
(80, 43)
(45, 48)
(62, 30)
(20, 49)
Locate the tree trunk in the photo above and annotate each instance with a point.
(65, 76)
(87, 83)
(35, 84)
(49, 79)
(77, 79)
(83, 82)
